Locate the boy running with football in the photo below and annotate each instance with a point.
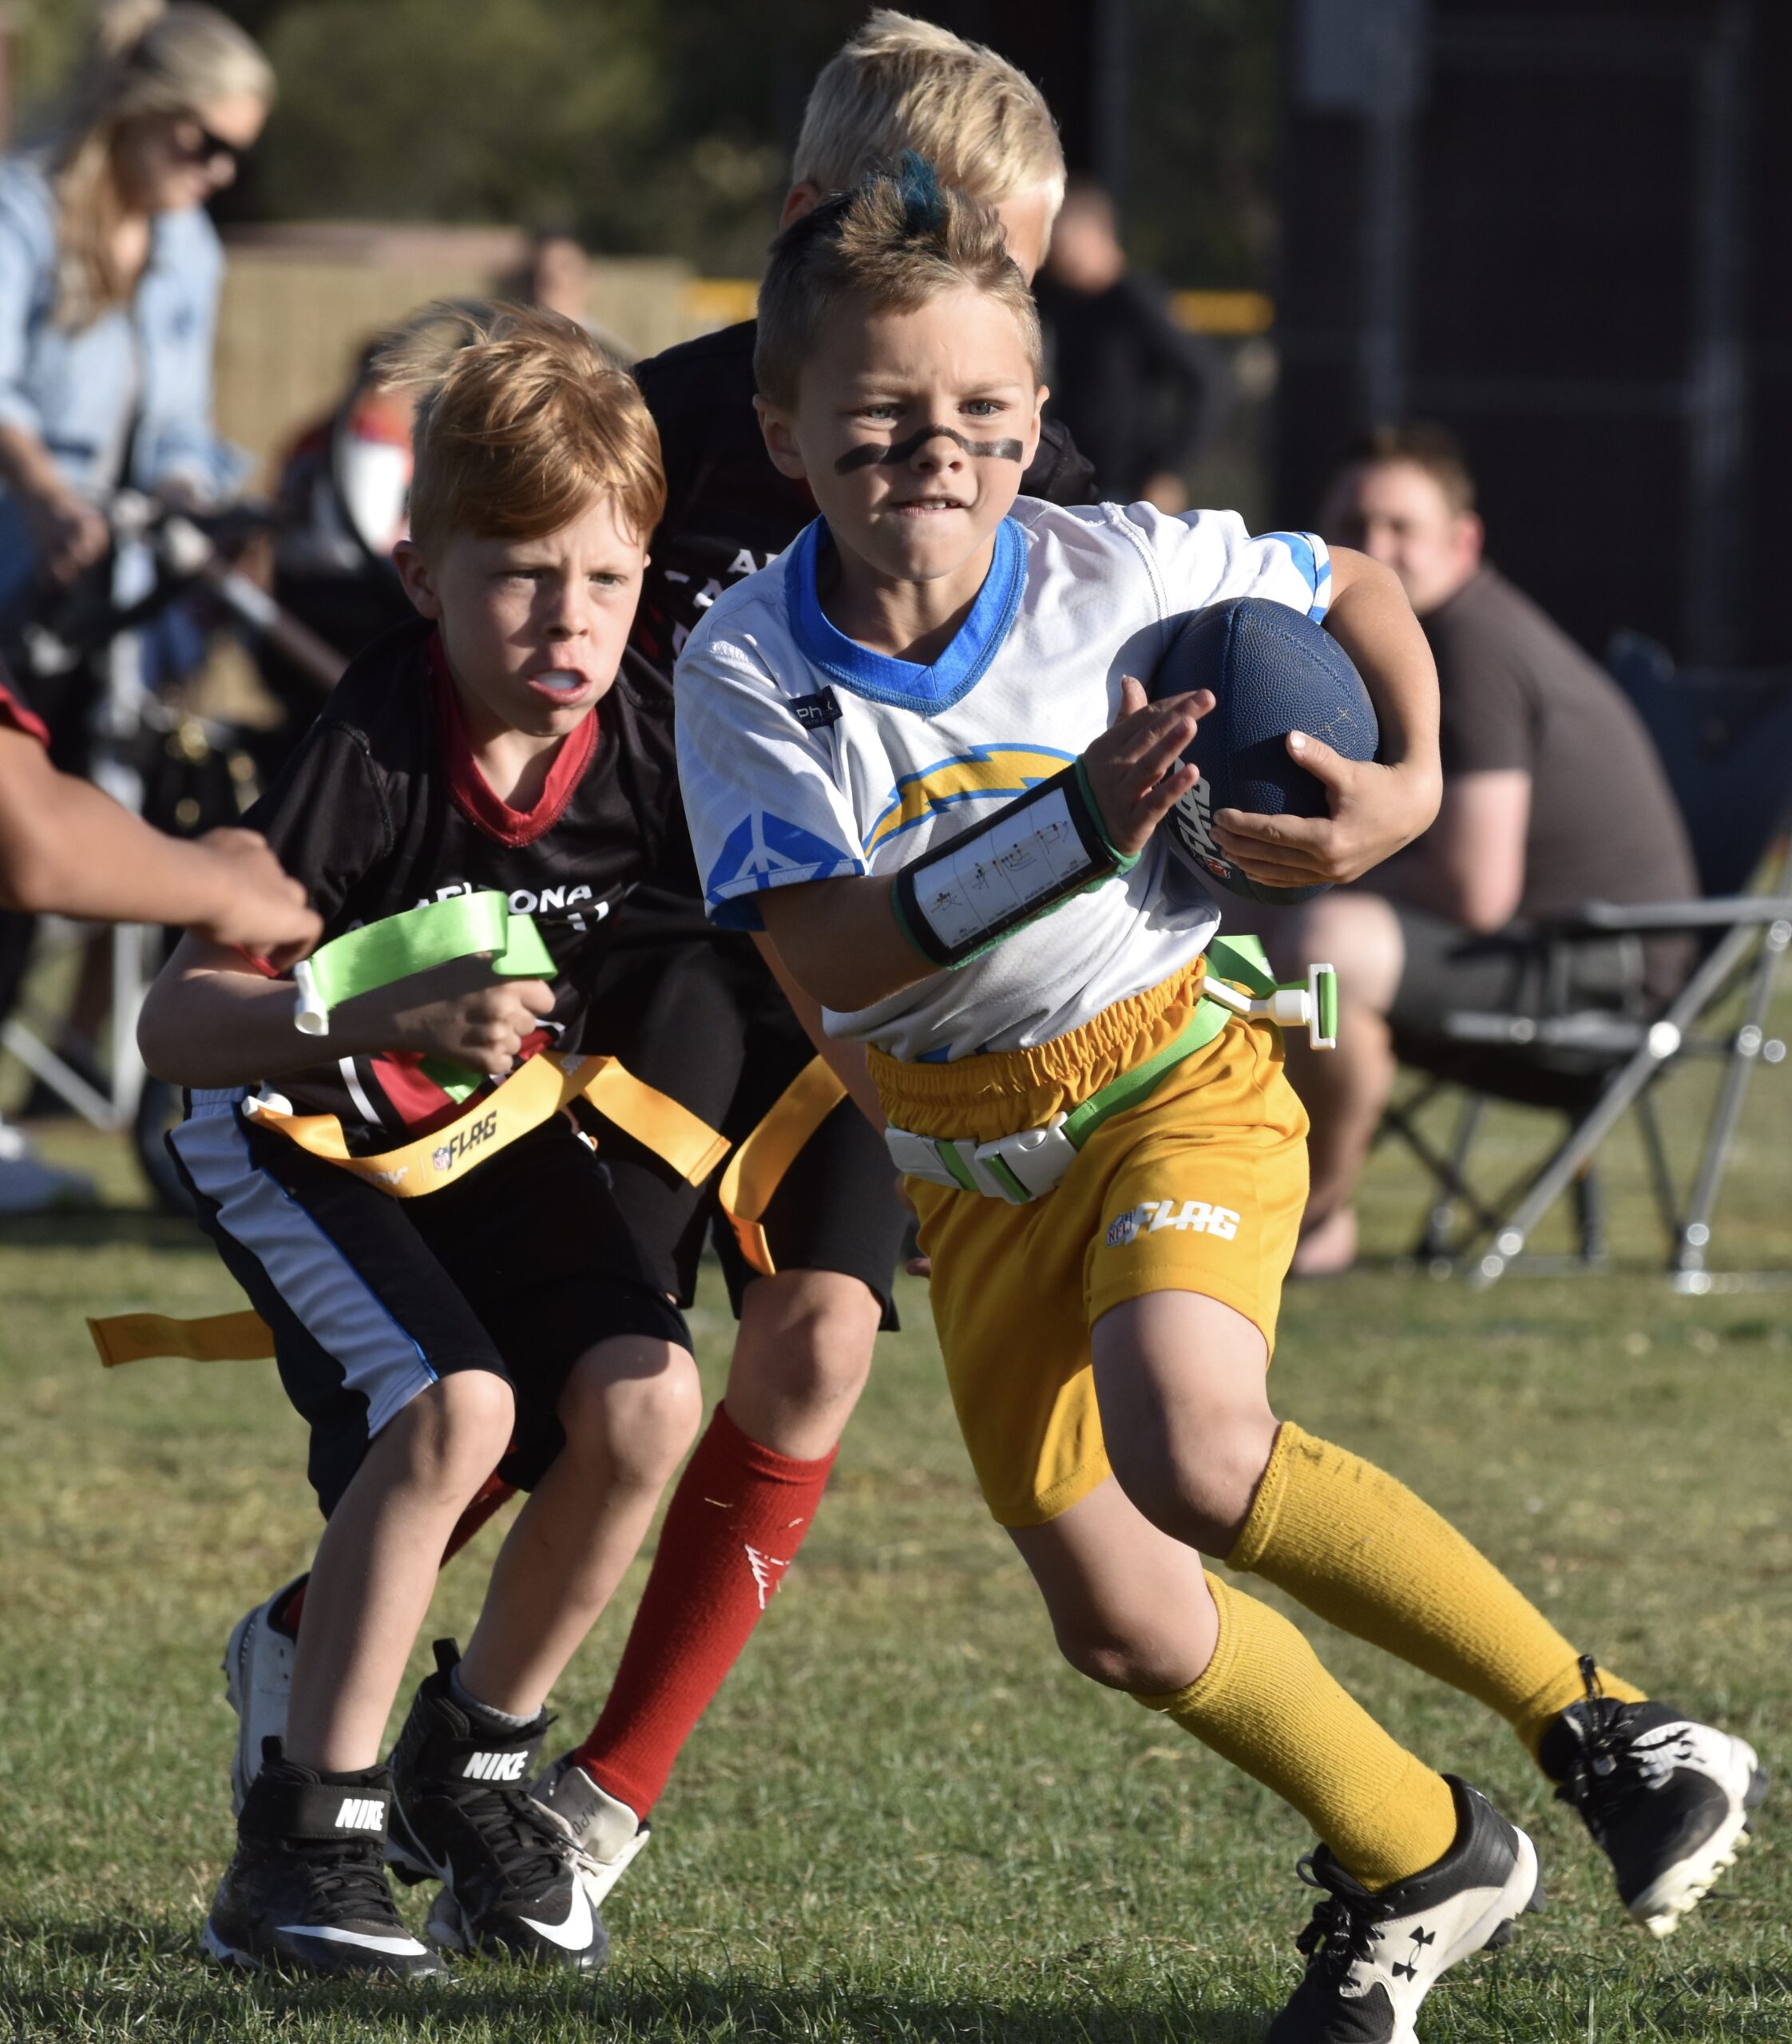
(912, 752)
(451, 1284)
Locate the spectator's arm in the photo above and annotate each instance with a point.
(180, 454)
(1470, 866)
(67, 850)
(20, 255)
(66, 532)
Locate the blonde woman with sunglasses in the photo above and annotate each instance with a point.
(110, 271)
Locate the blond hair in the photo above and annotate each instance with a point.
(903, 84)
(145, 58)
(522, 422)
(894, 243)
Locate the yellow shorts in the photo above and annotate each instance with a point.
(1200, 1188)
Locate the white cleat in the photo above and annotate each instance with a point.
(1373, 1957)
(605, 1834)
(258, 1680)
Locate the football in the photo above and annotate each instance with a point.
(1271, 672)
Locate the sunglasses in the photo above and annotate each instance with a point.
(206, 147)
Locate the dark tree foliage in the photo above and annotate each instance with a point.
(665, 126)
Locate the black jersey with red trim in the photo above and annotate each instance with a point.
(729, 512)
(382, 807)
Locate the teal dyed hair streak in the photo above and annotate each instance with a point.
(924, 205)
(894, 242)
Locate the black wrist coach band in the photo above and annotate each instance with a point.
(1027, 859)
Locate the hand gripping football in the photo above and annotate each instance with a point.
(1271, 672)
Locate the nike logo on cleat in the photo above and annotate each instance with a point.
(494, 1766)
(575, 1933)
(362, 1813)
(333, 1934)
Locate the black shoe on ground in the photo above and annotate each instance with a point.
(1371, 1958)
(463, 1813)
(306, 1886)
(1669, 1800)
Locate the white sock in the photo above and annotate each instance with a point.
(496, 1720)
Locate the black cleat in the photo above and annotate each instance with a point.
(463, 1813)
(306, 1886)
(1666, 1799)
(1372, 1957)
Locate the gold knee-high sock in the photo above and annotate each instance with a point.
(1357, 1546)
(1266, 1704)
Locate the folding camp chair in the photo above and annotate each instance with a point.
(1727, 742)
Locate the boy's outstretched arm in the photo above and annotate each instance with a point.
(1376, 806)
(840, 941)
(67, 850)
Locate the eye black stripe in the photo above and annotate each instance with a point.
(872, 455)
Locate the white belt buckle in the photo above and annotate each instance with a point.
(1036, 1157)
(1035, 1160)
(917, 1157)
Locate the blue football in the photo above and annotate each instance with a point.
(1271, 672)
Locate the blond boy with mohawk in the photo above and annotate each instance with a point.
(1028, 971)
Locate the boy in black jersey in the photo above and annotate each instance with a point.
(502, 1317)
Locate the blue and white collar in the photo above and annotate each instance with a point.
(881, 677)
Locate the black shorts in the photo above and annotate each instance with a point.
(517, 1269)
(706, 1023)
(1449, 970)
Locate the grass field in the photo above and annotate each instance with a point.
(904, 1819)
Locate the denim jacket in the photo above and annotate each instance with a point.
(148, 362)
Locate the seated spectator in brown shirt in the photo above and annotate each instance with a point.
(1553, 795)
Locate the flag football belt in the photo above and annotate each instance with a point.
(1025, 1167)
(466, 925)
(545, 1085)
(757, 1168)
(478, 925)
(549, 1082)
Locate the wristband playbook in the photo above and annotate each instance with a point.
(1028, 858)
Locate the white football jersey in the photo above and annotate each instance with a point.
(806, 756)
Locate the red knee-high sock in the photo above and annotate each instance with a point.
(732, 1529)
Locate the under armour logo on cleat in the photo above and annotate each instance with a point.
(362, 1813)
(1422, 1938)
